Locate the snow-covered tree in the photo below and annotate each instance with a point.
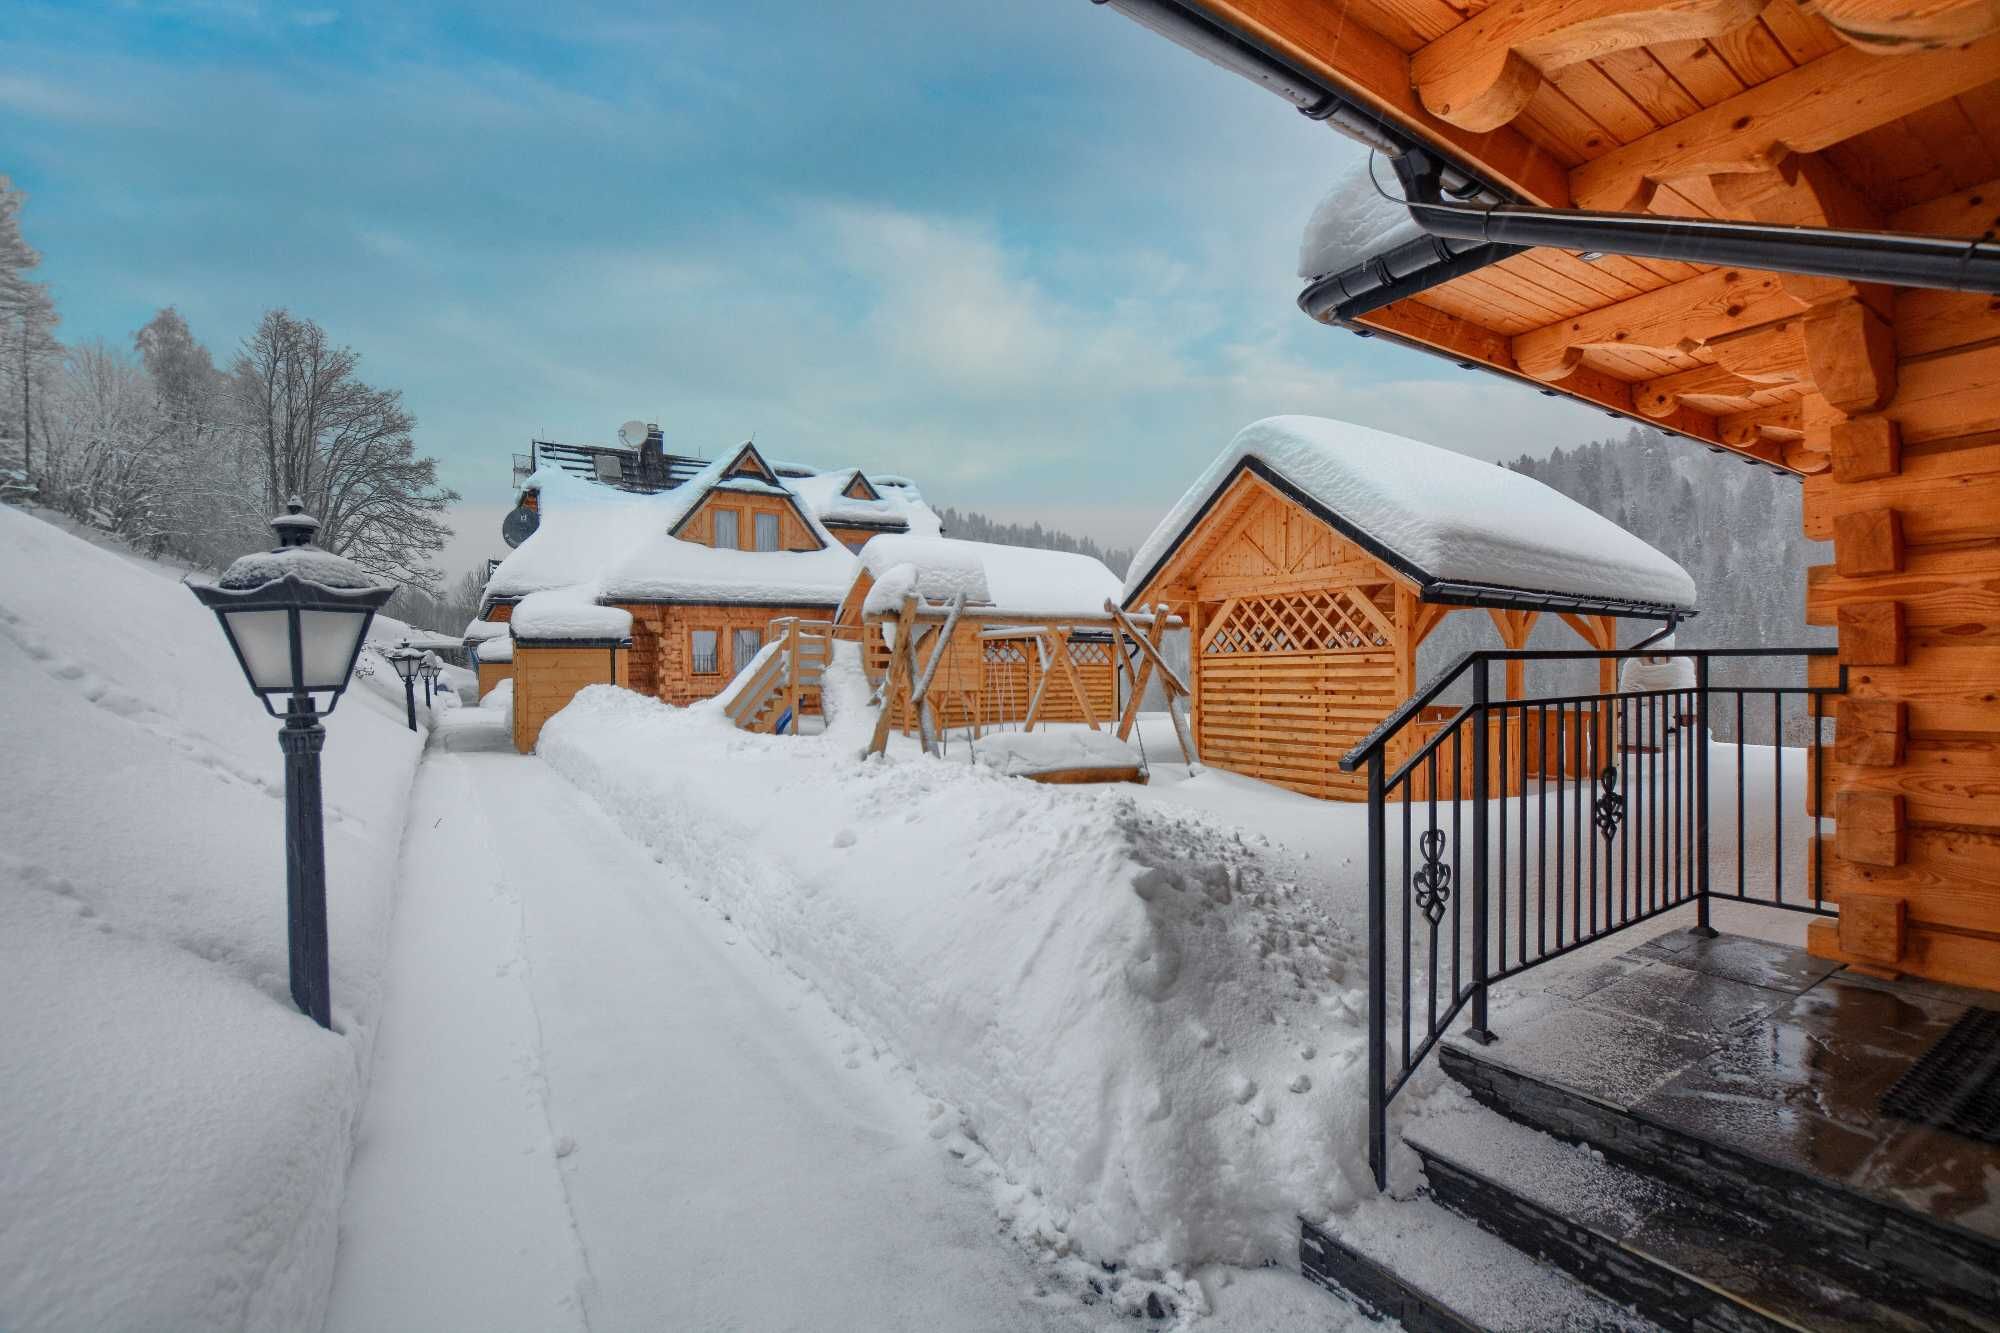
(28, 346)
(317, 431)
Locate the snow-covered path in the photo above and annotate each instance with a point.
(592, 1108)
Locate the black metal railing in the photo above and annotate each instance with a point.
(1509, 832)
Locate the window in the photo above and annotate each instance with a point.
(748, 641)
(766, 530)
(609, 468)
(701, 652)
(725, 530)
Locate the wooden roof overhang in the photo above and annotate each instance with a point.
(1251, 472)
(1858, 114)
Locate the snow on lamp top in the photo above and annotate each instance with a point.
(297, 556)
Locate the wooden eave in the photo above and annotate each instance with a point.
(1212, 523)
(1736, 109)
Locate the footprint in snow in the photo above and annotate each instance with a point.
(565, 1146)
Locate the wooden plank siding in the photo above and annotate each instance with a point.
(662, 638)
(546, 679)
(491, 674)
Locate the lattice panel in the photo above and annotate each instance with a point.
(1327, 620)
(1002, 653)
(1089, 654)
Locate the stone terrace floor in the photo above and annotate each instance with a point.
(1764, 1049)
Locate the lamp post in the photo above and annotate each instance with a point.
(408, 662)
(432, 668)
(296, 617)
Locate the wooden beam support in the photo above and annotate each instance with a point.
(1480, 74)
(1678, 318)
(1744, 430)
(1871, 733)
(1893, 27)
(1659, 397)
(1871, 928)
(1851, 352)
(1815, 106)
(1872, 633)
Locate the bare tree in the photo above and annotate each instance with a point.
(103, 463)
(219, 504)
(341, 445)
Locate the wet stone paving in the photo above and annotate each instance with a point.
(1767, 1051)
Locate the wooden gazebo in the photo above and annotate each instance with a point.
(1313, 558)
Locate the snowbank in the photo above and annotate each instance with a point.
(1455, 518)
(1150, 1028)
(174, 1134)
(1022, 753)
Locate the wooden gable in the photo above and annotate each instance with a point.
(794, 533)
(749, 463)
(859, 488)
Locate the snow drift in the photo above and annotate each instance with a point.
(1151, 1030)
(173, 1132)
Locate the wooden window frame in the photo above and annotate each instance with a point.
(714, 656)
(736, 633)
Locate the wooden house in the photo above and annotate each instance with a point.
(491, 652)
(700, 571)
(1313, 558)
(1766, 227)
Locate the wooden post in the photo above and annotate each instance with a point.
(897, 675)
(1067, 665)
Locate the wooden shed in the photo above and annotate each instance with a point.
(1312, 559)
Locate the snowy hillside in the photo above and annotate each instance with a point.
(173, 1133)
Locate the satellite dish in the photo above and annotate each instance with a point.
(632, 434)
(519, 525)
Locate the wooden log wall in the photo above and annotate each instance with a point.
(662, 639)
(491, 674)
(546, 679)
(1911, 504)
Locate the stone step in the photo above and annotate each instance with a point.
(1436, 1272)
(1688, 1263)
(1897, 1258)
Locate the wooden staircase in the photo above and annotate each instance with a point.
(770, 700)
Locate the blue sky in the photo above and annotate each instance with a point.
(1027, 253)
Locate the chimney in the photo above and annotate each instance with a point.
(652, 459)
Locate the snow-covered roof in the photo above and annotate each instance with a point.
(1438, 516)
(663, 568)
(496, 650)
(901, 505)
(477, 631)
(1354, 222)
(583, 528)
(1019, 580)
(572, 613)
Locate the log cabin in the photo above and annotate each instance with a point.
(1766, 227)
(700, 571)
(1312, 559)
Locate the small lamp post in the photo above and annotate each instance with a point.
(408, 662)
(432, 668)
(296, 617)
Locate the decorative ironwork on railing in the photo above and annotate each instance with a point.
(1529, 828)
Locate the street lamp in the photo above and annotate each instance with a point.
(296, 617)
(432, 668)
(408, 662)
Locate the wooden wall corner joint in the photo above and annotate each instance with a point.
(1851, 353)
(1870, 828)
(1871, 733)
(1868, 541)
(1872, 927)
(1866, 448)
(1872, 633)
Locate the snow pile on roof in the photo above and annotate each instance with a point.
(1025, 753)
(825, 496)
(478, 631)
(1017, 580)
(174, 1134)
(1145, 1031)
(939, 569)
(583, 529)
(1456, 519)
(666, 568)
(568, 613)
(496, 650)
(1353, 223)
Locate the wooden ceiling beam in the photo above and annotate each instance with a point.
(1677, 318)
(1480, 75)
(1892, 27)
(1342, 50)
(1659, 397)
(1815, 106)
